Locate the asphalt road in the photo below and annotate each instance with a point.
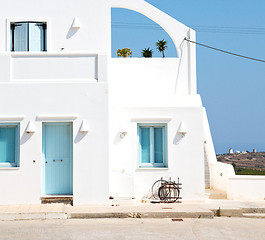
(188, 229)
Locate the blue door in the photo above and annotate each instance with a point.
(57, 152)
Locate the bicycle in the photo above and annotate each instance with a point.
(166, 191)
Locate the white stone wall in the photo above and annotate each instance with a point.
(148, 91)
(79, 84)
(185, 157)
(245, 187)
(94, 16)
(71, 82)
(220, 173)
(88, 102)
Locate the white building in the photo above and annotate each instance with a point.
(73, 121)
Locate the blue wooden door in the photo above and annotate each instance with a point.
(58, 158)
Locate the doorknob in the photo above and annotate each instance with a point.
(46, 162)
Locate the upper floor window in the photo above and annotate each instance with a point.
(28, 36)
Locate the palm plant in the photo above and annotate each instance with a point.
(147, 53)
(125, 52)
(161, 46)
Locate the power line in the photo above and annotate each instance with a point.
(223, 51)
(192, 26)
(212, 29)
(198, 28)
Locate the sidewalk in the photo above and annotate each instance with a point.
(130, 209)
(40, 211)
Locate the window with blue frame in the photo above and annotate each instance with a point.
(9, 145)
(28, 36)
(152, 144)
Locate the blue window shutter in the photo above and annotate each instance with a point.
(145, 145)
(158, 145)
(21, 37)
(8, 144)
(35, 37)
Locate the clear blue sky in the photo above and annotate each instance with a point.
(232, 88)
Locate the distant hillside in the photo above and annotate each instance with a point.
(244, 160)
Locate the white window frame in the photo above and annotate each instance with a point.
(14, 20)
(152, 164)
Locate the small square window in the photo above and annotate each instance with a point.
(152, 144)
(28, 36)
(9, 145)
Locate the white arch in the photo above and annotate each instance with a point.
(176, 30)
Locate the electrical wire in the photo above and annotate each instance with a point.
(212, 29)
(223, 51)
(198, 28)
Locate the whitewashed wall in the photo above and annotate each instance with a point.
(28, 67)
(245, 187)
(53, 67)
(88, 102)
(68, 82)
(149, 90)
(236, 187)
(150, 82)
(185, 157)
(153, 90)
(220, 173)
(146, 84)
(94, 16)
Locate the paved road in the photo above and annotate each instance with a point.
(166, 229)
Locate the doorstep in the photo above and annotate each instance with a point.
(65, 199)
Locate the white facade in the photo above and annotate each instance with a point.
(76, 81)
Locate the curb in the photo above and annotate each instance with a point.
(206, 214)
(235, 212)
(253, 210)
(240, 212)
(254, 215)
(32, 216)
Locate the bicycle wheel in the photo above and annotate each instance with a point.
(168, 193)
(156, 186)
